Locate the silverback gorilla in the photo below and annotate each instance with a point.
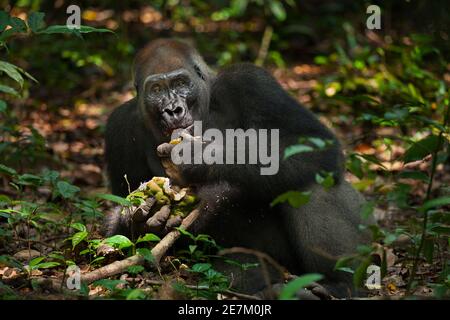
(175, 87)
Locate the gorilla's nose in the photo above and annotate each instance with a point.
(174, 113)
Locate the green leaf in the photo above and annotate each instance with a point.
(201, 267)
(192, 248)
(116, 199)
(136, 294)
(36, 261)
(66, 190)
(47, 265)
(7, 170)
(367, 209)
(17, 24)
(8, 90)
(36, 21)
(78, 237)
(319, 143)
(12, 72)
(295, 149)
(416, 175)
(326, 181)
(421, 149)
(294, 198)
(434, 203)
(148, 237)
(108, 284)
(360, 273)
(290, 289)
(147, 254)
(78, 226)
(4, 20)
(135, 269)
(65, 29)
(119, 241)
(3, 106)
(278, 10)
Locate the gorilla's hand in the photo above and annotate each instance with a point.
(159, 223)
(164, 151)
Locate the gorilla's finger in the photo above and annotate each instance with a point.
(305, 294)
(319, 291)
(158, 221)
(173, 222)
(164, 150)
(143, 210)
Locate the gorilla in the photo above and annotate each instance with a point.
(174, 88)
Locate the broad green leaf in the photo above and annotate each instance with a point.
(65, 29)
(361, 272)
(290, 289)
(17, 24)
(12, 72)
(367, 209)
(146, 253)
(319, 143)
(421, 149)
(108, 284)
(294, 198)
(192, 248)
(201, 267)
(434, 203)
(66, 190)
(8, 90)
(113, 198)
(4, 20)
(136, 294)
(7, 170)
(148, 237)
(36, 261)
(416, 175)
(78, 237)
(119, 241)
(295, 149)
(36, 21)
(326, 181)
(135, 269)
(46, 265)
(78, 226)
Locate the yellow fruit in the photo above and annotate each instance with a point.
(176, 141)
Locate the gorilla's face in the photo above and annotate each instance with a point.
(173, 98)
(173, 84)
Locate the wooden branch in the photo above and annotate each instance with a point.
(158, 251)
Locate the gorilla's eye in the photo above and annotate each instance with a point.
(180, 83)
(156, 88)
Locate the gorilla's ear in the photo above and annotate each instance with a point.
(199, 72)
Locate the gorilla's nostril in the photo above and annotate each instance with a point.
(178, 110)
(168, 111)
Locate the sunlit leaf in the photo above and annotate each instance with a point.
(294, 198)
(119, 241)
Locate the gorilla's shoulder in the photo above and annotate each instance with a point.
(124, 111)
(245, 71)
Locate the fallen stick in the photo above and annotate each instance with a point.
(158, 251)
(121, 266)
